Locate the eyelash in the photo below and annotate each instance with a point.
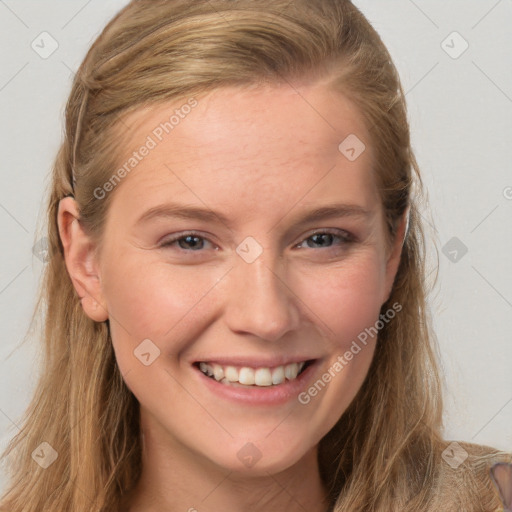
(345, 237)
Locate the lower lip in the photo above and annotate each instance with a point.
(261, 395)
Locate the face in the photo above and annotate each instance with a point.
(247, 245)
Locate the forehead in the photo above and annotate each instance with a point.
(250, 146)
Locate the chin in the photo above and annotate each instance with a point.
(261, 459)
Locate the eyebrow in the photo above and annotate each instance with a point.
(183, 211)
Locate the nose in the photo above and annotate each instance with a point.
(260, 301)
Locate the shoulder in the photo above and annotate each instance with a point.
(464, 480)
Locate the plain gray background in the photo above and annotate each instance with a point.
(460, 108)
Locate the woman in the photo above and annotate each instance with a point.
(204, 349)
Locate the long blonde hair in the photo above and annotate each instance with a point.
(384, 453)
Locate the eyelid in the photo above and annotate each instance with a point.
(344, 235)
(178, 236)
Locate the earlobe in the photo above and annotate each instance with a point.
(79, 255)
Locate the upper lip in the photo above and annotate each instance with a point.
(254, 362)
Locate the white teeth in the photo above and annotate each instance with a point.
(218, 372)
(246, 376)
(291, 371)
(231, 373)
(251, 376)
(278, 375)
(262, 377)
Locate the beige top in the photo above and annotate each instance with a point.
(471, 479)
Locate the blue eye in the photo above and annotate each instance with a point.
(328, 236)
(321, 239)
(188, 241)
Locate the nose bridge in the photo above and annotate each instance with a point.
(260, 301)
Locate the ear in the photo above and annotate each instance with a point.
(395, 252)
(80, 259)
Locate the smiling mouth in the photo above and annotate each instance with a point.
(253, 377)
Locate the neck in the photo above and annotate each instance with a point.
(175, 480)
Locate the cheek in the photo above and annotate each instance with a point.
(348, 301)
(345, 298)
(151, 300)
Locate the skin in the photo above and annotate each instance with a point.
(261, 158)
